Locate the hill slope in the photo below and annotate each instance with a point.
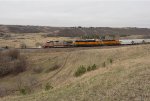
(73, 31)
(126, 78)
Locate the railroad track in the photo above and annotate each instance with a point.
(70, 48)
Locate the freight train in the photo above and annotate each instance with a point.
(94, 42)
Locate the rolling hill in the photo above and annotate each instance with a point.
(125, 78)
(73, 31)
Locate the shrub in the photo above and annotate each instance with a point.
(23, 45)
(48, 86)
(104, 64)
(37, 69)
(89, 68)
(7, 36)
(93, 67)
(3, 91)
(81, 70)
(53, 68)
(38, 44)
(111, 61)
(11, 62)
(14, 54)
(20, 65)
(4, 70)
(23, 91)
(25, 85)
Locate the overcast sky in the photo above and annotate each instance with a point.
(102, 13)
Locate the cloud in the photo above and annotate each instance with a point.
(115, 13)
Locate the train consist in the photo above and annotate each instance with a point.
(94, 42)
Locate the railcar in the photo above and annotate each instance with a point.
(134, 41)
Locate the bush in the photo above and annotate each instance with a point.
(93, 67)
(48, 87)
(25, 85)
(23, 91)
(20, 65)
(7, 36)
(81, 70)
(111, 61)
(53, 68)
(14, 54)
(23, 45)
(11, 62)
(37, 69)
(4, 70)
(104, 64)
(3, 91)
(89, 68)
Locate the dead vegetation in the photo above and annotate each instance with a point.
(11, 62)
(120, 74)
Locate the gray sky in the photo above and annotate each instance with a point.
(102, 13)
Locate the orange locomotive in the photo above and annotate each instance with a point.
(110, 42)
(96, 42)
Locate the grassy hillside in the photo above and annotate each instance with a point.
(73, 31)
(125, 75)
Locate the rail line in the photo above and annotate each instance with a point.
(70, 48)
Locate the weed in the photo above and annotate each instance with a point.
(37, 69)
(23, 91)
(52, 68)
(104, 64)
(11, 62)
(14, 54)
(81, 70)
(93, 67)
(89, 68)
(48, 86)
(111, 61)
(23, 45)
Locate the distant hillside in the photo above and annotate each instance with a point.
(27, 29)
(73, 31)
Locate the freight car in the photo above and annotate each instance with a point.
(134, 41)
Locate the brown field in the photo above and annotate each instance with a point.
(124, 77)
(29, 39)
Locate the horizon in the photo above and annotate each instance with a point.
(71, 26)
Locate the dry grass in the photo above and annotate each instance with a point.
(126, 78)
(30, 39)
